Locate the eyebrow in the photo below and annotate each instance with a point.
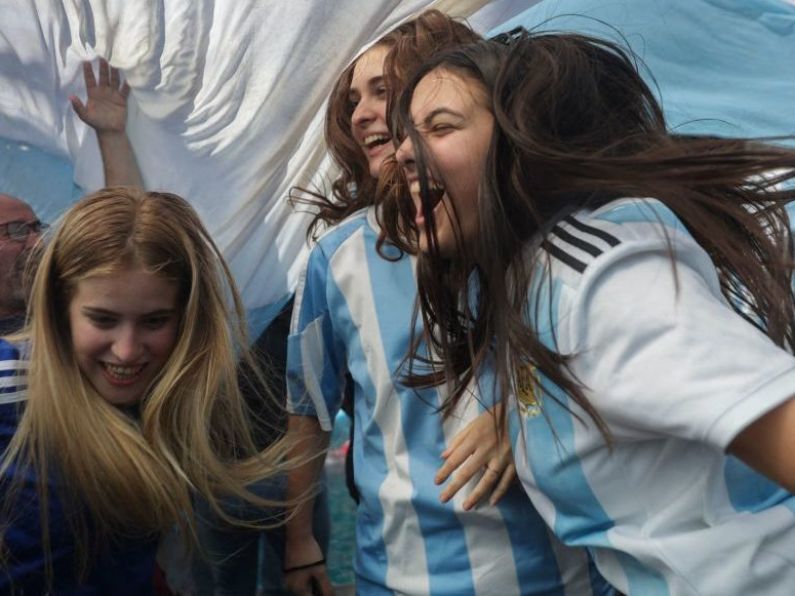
(94, 310)
(373, 82)
(429, 117)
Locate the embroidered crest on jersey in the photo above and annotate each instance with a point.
(528, 394)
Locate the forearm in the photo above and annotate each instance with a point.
(118, 160)
(310, 444)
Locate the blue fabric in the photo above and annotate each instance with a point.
(722, 67)
(41, 179)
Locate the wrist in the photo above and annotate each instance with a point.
(298, 533)
(109, 135)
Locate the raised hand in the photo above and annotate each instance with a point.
(105, 109)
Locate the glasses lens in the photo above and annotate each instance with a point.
(19, 230)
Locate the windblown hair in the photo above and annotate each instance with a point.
(409, 44)
(577, 127)
(136, 474)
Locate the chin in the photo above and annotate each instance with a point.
(121, 401)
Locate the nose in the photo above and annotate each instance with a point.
(405, 154)
(127, 346)
(364, 113)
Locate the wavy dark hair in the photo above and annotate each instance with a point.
(576, 126)
(410, 45)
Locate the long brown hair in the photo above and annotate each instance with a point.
(577, 127)
(409, 44)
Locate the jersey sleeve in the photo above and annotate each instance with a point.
(661, 352)
(13, 371)
(315, 357)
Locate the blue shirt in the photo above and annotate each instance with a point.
(125, 569)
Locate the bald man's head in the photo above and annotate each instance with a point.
(15, 247)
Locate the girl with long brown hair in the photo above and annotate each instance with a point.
(629, 293)
(353, 314)
(120, 399)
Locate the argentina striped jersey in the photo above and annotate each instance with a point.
(676, 374)
(353, 313)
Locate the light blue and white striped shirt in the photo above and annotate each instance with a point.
(353, 313)
(676, 374)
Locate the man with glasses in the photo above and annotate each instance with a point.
(19, 231)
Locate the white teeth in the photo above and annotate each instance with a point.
(374, 139)
(123, 372)
(414, 187)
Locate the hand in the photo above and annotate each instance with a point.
(301, 576)
(105, 109)
(472, 450)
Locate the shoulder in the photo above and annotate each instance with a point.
(584, 243)
(582, 237)
(622, 248)
(338, 235)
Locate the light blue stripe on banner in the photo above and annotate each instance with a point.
(39, 178)
(723, 67)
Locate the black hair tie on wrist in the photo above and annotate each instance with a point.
(307, 566)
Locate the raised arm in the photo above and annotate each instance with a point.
(105, 110)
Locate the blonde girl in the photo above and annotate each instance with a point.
(120, 401)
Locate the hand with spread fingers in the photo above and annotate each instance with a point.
(475, 449)
(105, 109)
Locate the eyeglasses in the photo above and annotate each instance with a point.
(509, 37)
(20, 230)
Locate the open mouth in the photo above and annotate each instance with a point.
(435, 194)
(376, 140)
(122, 374)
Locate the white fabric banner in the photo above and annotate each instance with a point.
(226, 106)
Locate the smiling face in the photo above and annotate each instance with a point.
(368, 95)
(123, 328)
(455, 125)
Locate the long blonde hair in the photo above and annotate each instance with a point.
(135, 475)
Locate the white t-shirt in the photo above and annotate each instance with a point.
(676, 374)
